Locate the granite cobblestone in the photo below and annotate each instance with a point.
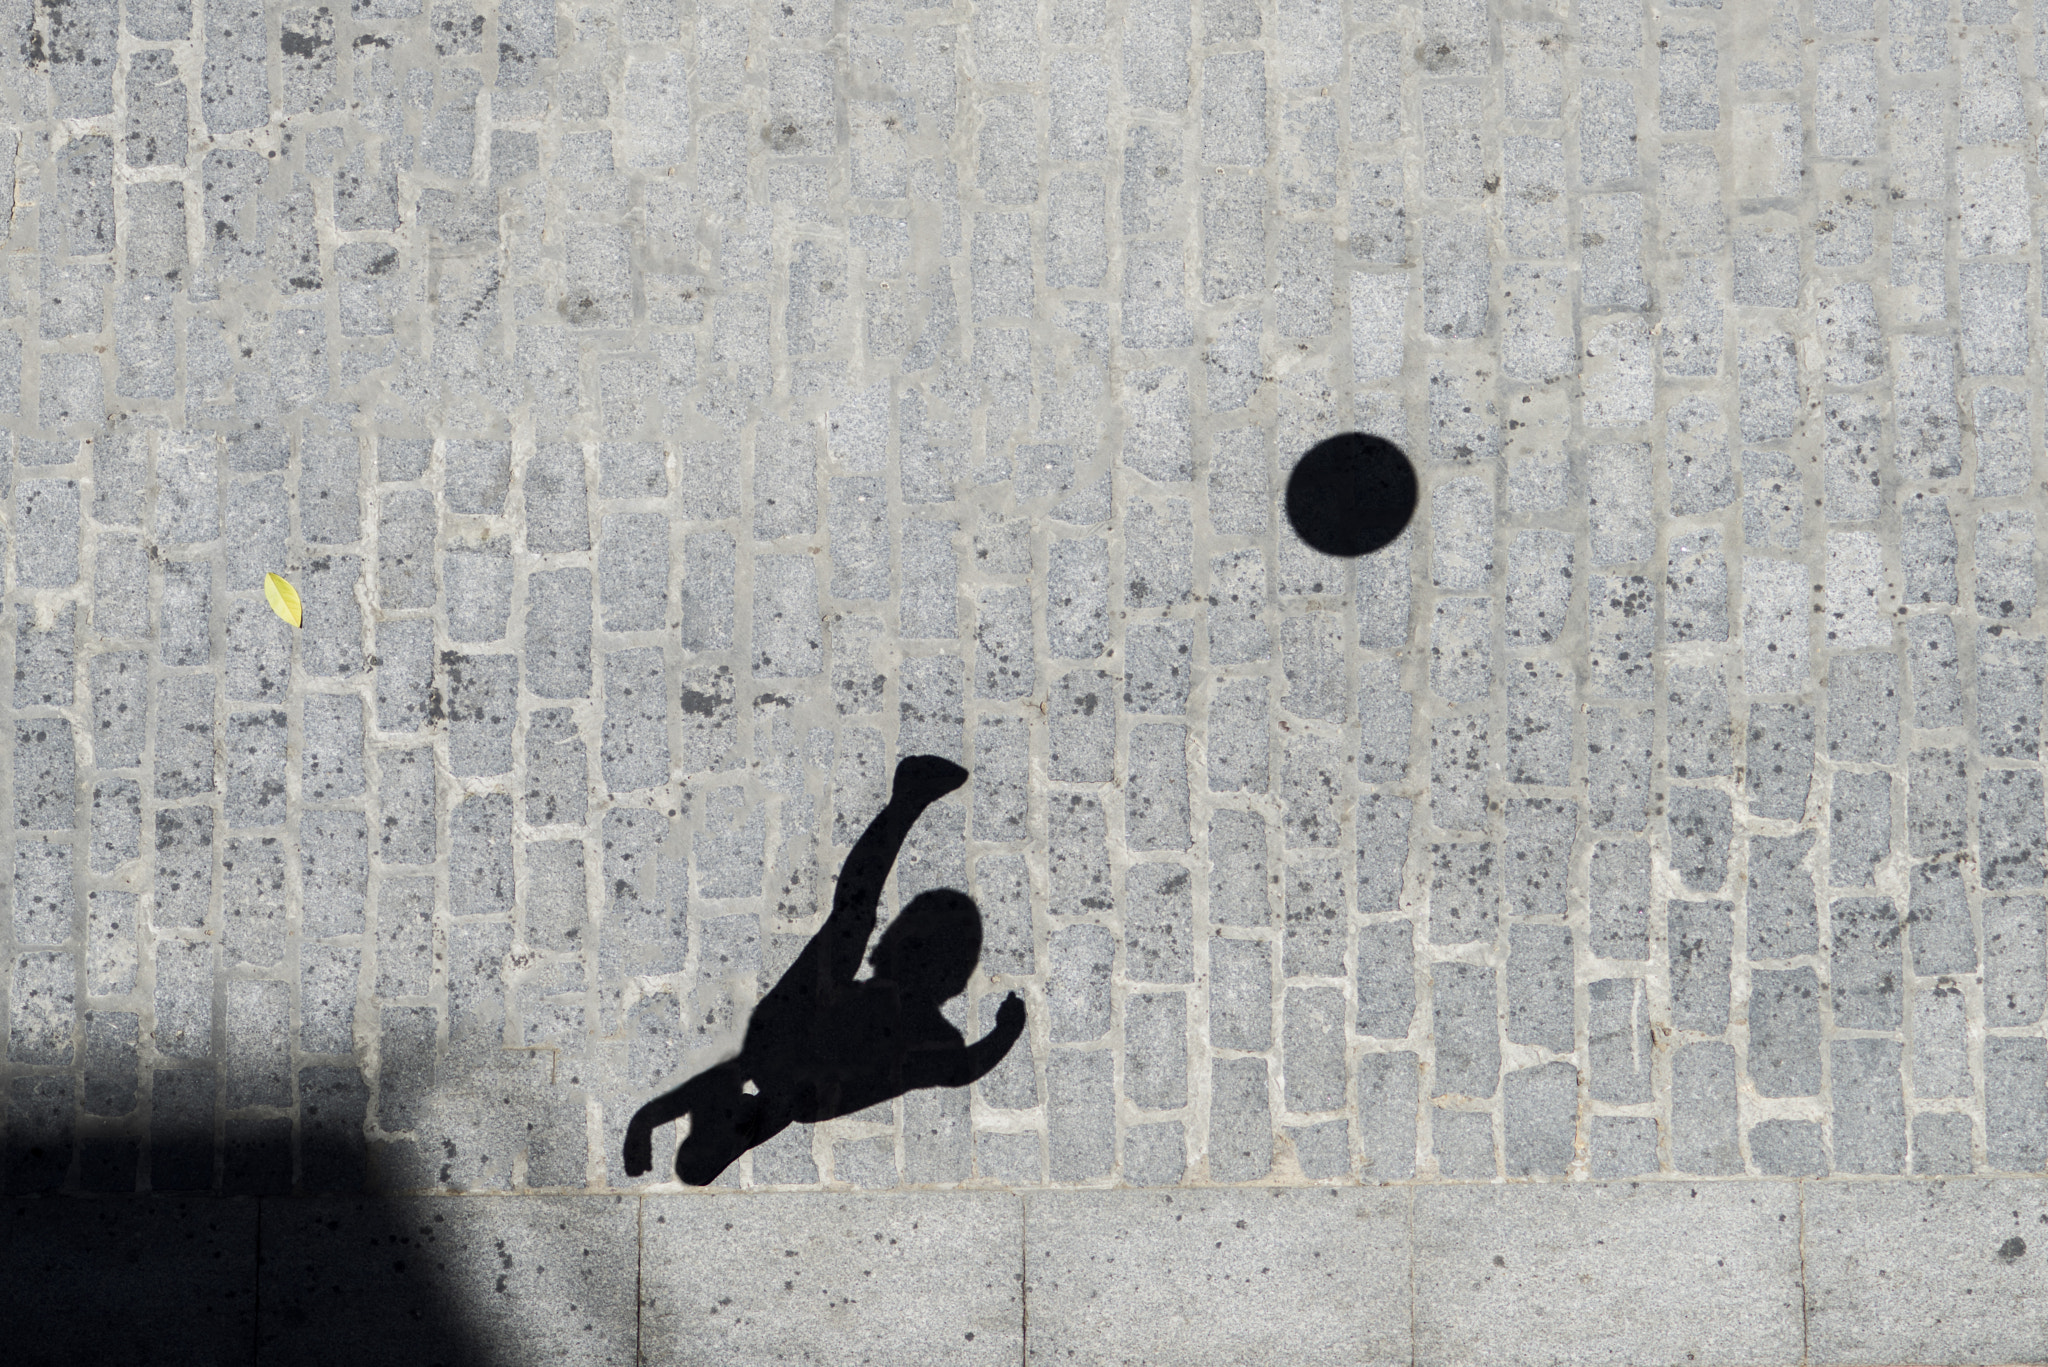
(1667, 801)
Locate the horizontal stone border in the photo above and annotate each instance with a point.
(1728, 1274)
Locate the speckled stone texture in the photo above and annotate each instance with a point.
(673, 413)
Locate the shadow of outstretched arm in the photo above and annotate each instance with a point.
(973, 1062)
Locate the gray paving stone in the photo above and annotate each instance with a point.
(1240, 1120)
(2015, 926)
(1697, 722)
(1539, 983)
(1459, 772)
(1620, 908)
(407, 792)
(1160, 912)
(1860, 828)
(1539, 731)
(1081, 1115)
(1863, 711)
(2010, 820)
(633, 751)
(1236, 656)
(1943, 938)
(333, 634)
(1701, 826)
(1539, 1108)
(2005, 583)
(2015, 1138)
(1155, 1041)
(1463, 1141)
(1869, 1108)
(1388, 1088)
(1941, 1144)
(1323, 1152)
(1078, 993)
(1386, 978)
(119, 708)
(111, 952)
(1623, 1146)
(1618, 1040)
(1874, 1266)
(1703, 1110)
(185, 619)
(1687, 75)
(116, 823)
(1312, 1049)
(184, 865)
(1780, 766)
(1621, 617)
(1083, 1311)
(557, 500)
(1541, 833)
(2004, 460)
(1590, 1246)
(1865, 968)
(558, 627)
(405, 674)
(1618, 771)
(1701, 938)
(1607, 131)
(1936, 677)
(1468, 1050)
(1940, 1050)
(1784, 1048)
(253, 900)
(1788, 1148)
(1314, 919)
(405, 534)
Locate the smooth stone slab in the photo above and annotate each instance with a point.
(416, 1280)
(1634, 1275)
(156, 1279)
(1227, 1275)
(825, 1278)
(1949, 1272)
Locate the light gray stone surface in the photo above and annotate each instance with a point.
(673, 415)
(909, 1277)
(1609, 1273)
(1857, 1272)
(1198, 1276)
(1925, 1272)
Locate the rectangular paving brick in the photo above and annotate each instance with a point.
(1117, 1277)
(943, 1267)
(1878, 1256)
(1492, 1263)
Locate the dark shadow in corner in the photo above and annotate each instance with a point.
(1351, 494)
(220, 1262)
(821, 1044)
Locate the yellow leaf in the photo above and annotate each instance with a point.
(284, 599)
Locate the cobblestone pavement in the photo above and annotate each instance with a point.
(1684, 1274)
(672, 414)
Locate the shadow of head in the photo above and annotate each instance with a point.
(930, 950)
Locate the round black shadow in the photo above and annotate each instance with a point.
(1351, 494)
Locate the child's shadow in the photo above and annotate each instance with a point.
(820, 1044)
